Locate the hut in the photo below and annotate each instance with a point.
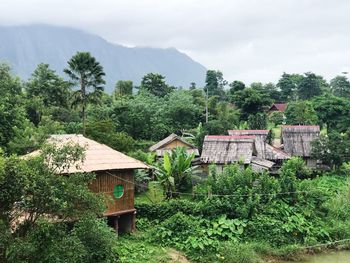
(264, 150)
(297, 140)
(260, 139)
(171, 142)
(114, 177)
(281, 107)
(227, 149)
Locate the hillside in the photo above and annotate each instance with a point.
(26, 46)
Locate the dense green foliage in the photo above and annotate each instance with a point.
(37, 209)
(288, 209)
(235, 216)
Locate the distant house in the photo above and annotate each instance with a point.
(263, 149)
(278, 107)
(297, 141)
(227, 149)
(114, 177)
(170, 143)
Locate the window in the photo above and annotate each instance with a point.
(118, 191)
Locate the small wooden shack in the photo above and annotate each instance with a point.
(297, 140)
(114, 177)
(171, 142)
(227, 149)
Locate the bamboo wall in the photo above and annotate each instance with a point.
(174, 144)
(105, 183)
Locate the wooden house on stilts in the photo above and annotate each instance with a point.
(114, 177)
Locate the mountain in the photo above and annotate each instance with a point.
(24, 47)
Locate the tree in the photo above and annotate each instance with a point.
(181, 112)
(123, 88)
(46, 93)
(288, 84)
(340, 86)
(104, 131)
(332, 150)
(215, 83)
(257, 121)
(310, 86)
(155, 84)
(251, 101)
(12, 113)
(301, 113)
(47, 85)
(333, 111)
(142, 117)
(193, 86)
(236, 86)
(36, 204)
(85, 72)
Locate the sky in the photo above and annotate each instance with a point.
(248, 40)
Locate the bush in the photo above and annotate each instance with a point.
(197, 236)
(277, 118)
(167, 209)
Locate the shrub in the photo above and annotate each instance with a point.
(277, 118)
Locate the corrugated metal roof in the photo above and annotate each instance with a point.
(98, 157)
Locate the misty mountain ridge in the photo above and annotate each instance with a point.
(24, 47)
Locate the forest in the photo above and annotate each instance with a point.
(235, 216)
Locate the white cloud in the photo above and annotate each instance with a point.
(250, 40)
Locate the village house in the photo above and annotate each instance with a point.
(228, 149)
(281, 107)
(264, 150)
(297, 141)
(114, 177)
(171, 142)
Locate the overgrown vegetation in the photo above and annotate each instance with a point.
(235, 216)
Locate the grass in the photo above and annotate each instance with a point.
(153, 195)
(135, 249)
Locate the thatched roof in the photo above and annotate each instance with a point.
(278, 107)
(263, 149)
(227, 149)
(297, 139)
(274, 154)
(161, 147)
(98, 157)
(260, 139)
(260, 165)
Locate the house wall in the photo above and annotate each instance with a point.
(174, 144)
(105, 183)
(311, 163)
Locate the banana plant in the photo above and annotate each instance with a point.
(175, 171)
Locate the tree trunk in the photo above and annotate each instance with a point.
(83, 95)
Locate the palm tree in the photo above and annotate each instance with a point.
(85, 72)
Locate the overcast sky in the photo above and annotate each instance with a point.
(248, 40)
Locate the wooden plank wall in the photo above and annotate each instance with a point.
(105, 183)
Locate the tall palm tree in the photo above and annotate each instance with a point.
(85, 72)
